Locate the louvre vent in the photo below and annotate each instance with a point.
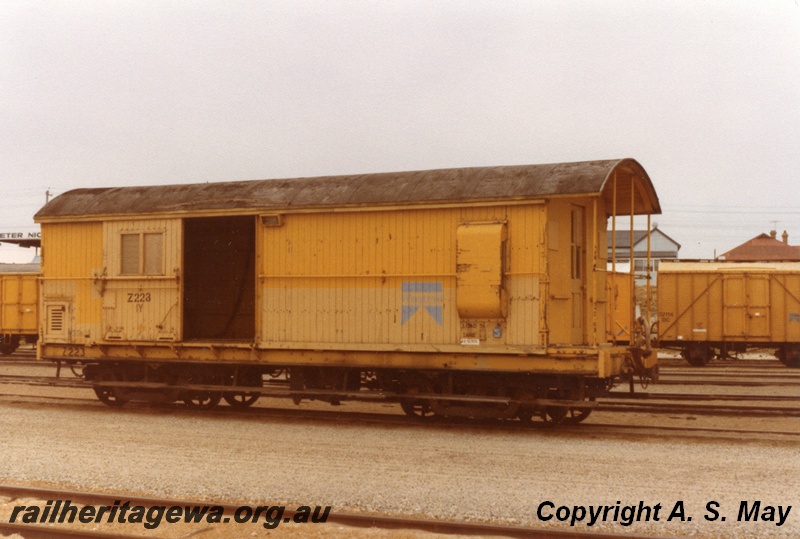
(55, 319)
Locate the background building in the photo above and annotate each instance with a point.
(661, 247)
(764, 248)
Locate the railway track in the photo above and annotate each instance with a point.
(393, 416)
(659, 403)
(753, 374)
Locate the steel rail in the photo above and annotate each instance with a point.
(390, 418)
(619, 402)
(280, 389)
(727, 383)
(704, 409)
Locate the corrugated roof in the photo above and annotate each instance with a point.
(400, 188)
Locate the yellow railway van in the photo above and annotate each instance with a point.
(19, 309)
(715, 308)
(458, 292)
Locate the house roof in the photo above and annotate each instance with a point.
(763, 248)
(623, 238)
(709, 266)
(623, 177)
(19, 268)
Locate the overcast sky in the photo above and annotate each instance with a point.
(705, 95)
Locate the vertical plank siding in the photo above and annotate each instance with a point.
(388, 277)
(142, 307)
(382, 278)
(71, 263)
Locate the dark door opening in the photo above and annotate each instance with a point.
(219, 278)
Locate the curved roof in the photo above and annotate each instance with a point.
(455, 185)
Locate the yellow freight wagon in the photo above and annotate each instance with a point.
(715, 308)
(485, 287)
(19, 310)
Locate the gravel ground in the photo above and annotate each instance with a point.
(447, 472)
(451, 472)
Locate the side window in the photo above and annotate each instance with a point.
(153, 252)
(129, 260)
(142, 253)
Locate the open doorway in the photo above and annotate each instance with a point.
(219, 278)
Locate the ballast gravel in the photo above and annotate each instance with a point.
(458, 472)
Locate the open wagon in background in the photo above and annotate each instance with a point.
(19, 306)
(19, 296)
(709, 309)
(461, 292)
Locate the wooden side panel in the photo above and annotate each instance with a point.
(72, 259)
(389, 278)
(619, 307)
(525, 278)
(381, 277)
(142, 303)
(571, 317)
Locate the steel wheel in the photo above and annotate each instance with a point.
(202, 400)
(10, 347)
(554, 415)
(418, 408)
(110, 396)
(697, 355)
(245, 398)
(241, 400)
(790, 356)
(525, 413)
(576, 415)
(421, 409)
